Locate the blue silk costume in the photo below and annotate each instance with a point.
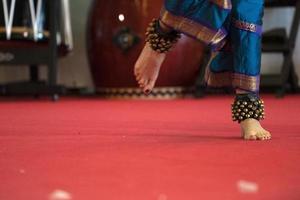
(231, 28)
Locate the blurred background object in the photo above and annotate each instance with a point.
(277, 40)
(34, 33)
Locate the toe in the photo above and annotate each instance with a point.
(250, 136)
(261, 136)
(149, 86)
(141, 83)
(268, 135)
(137, 69)
(147, 91)
(138, 77)
(136, 72)
(264, 136)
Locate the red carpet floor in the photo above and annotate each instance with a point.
(93, 149)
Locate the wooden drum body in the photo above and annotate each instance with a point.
(115, 38)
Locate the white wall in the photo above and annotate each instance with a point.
(274, 18)
(74, 71)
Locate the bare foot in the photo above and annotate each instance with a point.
(147, 68)
(252, 130)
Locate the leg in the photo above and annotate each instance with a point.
(246, 45)
(147, 68)
(189, 17)
(251, 128)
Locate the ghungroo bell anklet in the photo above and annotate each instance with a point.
(160, 41)
(247, 106)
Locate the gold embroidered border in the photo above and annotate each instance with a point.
(226, 4)
(229, 79)
(191, 28)
(250, 83)
(246, 26)
(218, 79)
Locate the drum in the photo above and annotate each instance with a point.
(115, 38)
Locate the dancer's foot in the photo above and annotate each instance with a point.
(147, 68)
(252, 130)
